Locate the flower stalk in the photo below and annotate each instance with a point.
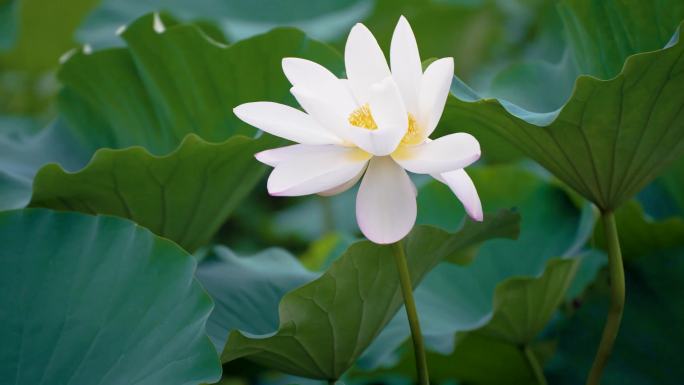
(411, 313)
(617, 299)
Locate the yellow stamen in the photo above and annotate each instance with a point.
(362, 118)
(412, 135)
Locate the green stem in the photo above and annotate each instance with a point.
(410, 305)
(535, 366)
(617, 299)
(331, 382)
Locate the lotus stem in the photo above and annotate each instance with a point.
(536, 368)
(412, 314)
(617, 299)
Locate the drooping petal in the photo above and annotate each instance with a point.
(443, 154)
(275, 156)
(434, 89)
(344, 186)
(364, 61)
(318, 81)
(406, 65)
(386, 202)
(285, 122)
(313, 172)
(463, 187)
(390, 116)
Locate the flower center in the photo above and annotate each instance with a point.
(362, 118)
(412, 134)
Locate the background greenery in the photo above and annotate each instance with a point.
(102, 114)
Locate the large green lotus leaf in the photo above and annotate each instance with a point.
(608, 141)
(247, 289)
(184, 196)
(165, 85)
(23, 152)
(648, 348)
(640, 235)
(237, 19)
(89, 299)
(325, 325)
(496, 293)
(601, 34)
(595, 38)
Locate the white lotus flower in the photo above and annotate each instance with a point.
(374, 125)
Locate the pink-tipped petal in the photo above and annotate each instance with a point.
(386, 202)
(463, 187)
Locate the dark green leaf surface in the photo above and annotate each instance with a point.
(98, 300)
(22, 153)
(326, 324)
(603, 33)
(608, 141)
(247, 289)
(166, 85)
(184, 196)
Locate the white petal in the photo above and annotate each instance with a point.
(327, 114)
(316, 80)
(278, 155)
(284, 121)
(386, 203)
(344, 186)
(443, 154)
(406, 65)
(364, 61)
(390, 116)
(434, 89)
(313, 172)
(462, 186)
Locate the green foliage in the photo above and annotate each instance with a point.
(647, 348)
(164, 86)
(184, 196)
(90, 299)
(507, 295)
(326, 324)
(609, 140)
(247, 289)
(588, 89)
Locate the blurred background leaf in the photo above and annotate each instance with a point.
(98, 299)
